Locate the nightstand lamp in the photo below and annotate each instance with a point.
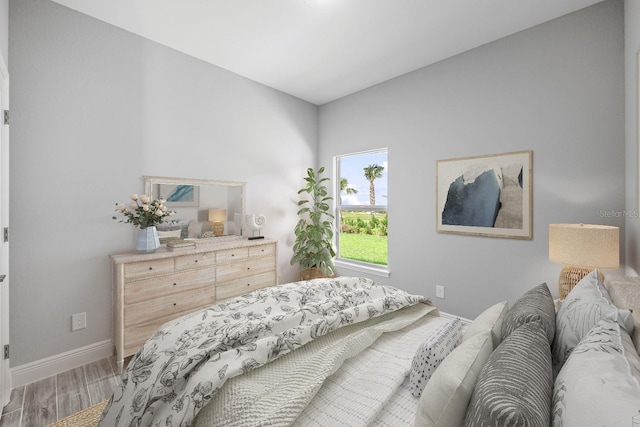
(217, 217)
(582, 248)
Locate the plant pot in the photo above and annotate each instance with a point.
(148, 240)
(313, 273)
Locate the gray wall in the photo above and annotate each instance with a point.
(95, 108)
(556, 89)
(4, 29)
(632, 74)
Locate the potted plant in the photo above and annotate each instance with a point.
(313, 247)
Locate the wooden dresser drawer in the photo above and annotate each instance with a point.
(147, 311)
(229, 255)
(246, 268)
(136, 336)
(142, 269)
(204, 259)
(262, 250)
(238, 287)
(157, 287)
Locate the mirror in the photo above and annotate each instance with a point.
(192, 199)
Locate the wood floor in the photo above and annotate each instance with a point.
(51, 399)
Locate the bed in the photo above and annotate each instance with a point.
(350, 352)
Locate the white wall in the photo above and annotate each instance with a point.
(556, 89)
(95, 108)
(632, 73)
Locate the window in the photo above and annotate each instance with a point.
(361, 210)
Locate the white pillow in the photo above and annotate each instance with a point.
(599, 384)
(432, 352)
(625, 293)
(446, 396)
(586, 304)
(489, 320)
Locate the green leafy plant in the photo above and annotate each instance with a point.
(313, 246)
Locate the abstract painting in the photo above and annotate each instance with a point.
(180, 195)
(485, 195)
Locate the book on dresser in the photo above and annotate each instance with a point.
(151, 289)
(180, 244)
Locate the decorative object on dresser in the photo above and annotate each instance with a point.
(255, 223)
(582, 248)
(149, 290)
(217, 218)
(146, 214)
(313, 247)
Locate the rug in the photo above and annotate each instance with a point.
(86, 418)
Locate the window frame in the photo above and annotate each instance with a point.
(360, 266)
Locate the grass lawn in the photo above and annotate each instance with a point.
(363, 247)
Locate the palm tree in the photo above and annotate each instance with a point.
(371, 173)
(344, 186)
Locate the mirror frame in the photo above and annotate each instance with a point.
(150, 181)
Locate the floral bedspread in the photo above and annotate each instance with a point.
(187, 360)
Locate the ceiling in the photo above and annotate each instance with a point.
(321, 50)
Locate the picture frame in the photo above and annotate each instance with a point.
(488, 195)
(179, 195)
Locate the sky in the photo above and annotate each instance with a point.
(352, 168)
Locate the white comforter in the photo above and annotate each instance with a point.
(187, 361)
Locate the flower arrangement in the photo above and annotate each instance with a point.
(143, 212)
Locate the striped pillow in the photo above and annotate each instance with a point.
(515, 386)
(536, 304)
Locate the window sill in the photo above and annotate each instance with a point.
(382, 271)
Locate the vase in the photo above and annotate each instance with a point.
(148, 240)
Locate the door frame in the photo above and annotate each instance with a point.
(5, 371)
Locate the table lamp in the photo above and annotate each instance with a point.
(582, 248)
(217, 216)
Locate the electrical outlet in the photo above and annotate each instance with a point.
(78, 321)
(440, 291)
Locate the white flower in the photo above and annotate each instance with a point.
(171, 213)
(134, 197)
(121, 207)
(144, 198)
(162, 201)
(145, 208)
(134, 206)
(159, 213)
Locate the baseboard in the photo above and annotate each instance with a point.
(451, 316)
(43, 368)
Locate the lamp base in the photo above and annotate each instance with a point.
(570, 276)
(218, 228)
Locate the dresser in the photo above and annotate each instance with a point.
(151, 289)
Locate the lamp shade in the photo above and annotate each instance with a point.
(217, 215)
(584, 245)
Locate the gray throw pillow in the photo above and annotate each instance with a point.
(516, 384)
(536, 304)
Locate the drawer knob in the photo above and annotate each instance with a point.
(196, 261)
(248, 284)
(174, 284)
(248, 268)
(175, 303)
(150, 268)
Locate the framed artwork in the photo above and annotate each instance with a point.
(485, 195)
(180, 195)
